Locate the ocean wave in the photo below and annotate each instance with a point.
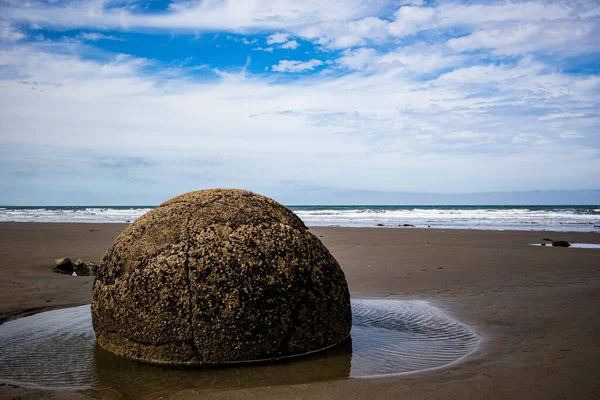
(565, 218)
(500, 218)
(72, 214)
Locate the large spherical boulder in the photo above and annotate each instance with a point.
(219, 276)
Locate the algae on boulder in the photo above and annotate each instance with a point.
(218, 276)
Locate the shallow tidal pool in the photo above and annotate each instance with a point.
(57, 349)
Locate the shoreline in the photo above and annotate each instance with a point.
(536, 309)
(596, 228)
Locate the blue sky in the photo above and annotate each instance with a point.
(133, 102)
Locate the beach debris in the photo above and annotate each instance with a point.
(64, 266)
(92, 267)
(557, 243)
(85, 268)
(407, 225)
(380, 225)
(79, 268)
(219, 276)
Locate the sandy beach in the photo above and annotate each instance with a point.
(537, 309)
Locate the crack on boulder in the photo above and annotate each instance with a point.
(186, 268)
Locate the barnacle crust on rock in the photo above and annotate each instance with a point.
(219, 276)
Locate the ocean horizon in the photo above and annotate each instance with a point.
(568, 218)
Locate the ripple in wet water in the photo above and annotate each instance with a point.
(58, 349)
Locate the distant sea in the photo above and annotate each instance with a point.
(555, 218)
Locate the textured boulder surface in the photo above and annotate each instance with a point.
(218, 276)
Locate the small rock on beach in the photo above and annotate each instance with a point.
(85, 268)
(64, 265)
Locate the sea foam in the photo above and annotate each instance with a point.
(554, 218)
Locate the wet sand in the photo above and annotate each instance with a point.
(537, 308)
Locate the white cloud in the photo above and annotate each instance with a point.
(358, 59)
(193, 15)
(562, 115)
(296, 66)
(344, 34)
(277, 38)
(95, 36)
(267, 49)
(344, 41)
(409, 20)
(524, 38)
(417, 59)
(361, 130)
(292, 45)
(282, 39)
(9, 33)
(388, 114)
(421, 59)
(336, 24)
(242, 40)
(453, 14)
(368, 27)
(571, 135)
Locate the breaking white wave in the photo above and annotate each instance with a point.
(562, 218)
(500, 218)
(72, 214)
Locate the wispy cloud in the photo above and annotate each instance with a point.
(9, 33)
(95, 36)
(296, 66)
(524, 38)
(192, 15)
(265, 49)
(123, 163)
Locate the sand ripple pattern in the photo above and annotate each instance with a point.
(58, 349)
(49, 349)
